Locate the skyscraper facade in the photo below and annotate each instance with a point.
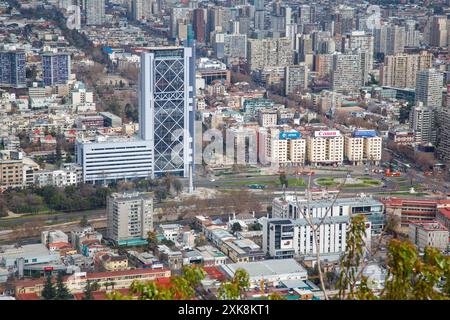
(95, 12)
(12, 68)
(346, 75)
(199, 25)
(429, 88)
(56, 68)
(166, 103)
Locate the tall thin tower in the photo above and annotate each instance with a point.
(166, 107)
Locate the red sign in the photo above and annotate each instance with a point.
(48, 268)
(331, 133)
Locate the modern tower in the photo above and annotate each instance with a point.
(429, 88)
(166, 107)
(12, 68)
(56, 68)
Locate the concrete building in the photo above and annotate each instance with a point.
(110, 159)
(325, 147)
(296, 78)
(400, 70)
(436, 31)
(281, 148)
(235, 46)
(12, 68)
(364, 42)
(395, 39)
(11, 169)
(129, 216)
(56, 68)
(141, 10)
(166, 108)
(288, 208)
(429, 234)
(267, 117)
(271, 272)
(423, 123)
(363, 146)
(346, 75)
(95, 12)
(56, 178)
(443, 136)
(429, 85)
(269, 52)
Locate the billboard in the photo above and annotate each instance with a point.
(290, 135)
(287, 244)
(328, 133)
(364, 133)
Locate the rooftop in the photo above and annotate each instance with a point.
(266, 268)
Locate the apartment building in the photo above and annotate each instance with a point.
(281, 148)
(400, 70)
(363, 146)
(11, 169)
(269, 52)
(325, 147)
(267, 117)
(129, 216)
(296, 78)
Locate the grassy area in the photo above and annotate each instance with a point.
(292, 182)
(365, 182)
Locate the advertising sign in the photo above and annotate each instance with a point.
(290, 135)
(286, 244)
(329, 133)
(364, 133)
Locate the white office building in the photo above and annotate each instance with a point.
(109, 159)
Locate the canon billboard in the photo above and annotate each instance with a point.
(329, 133)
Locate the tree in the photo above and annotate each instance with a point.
(49, 291)
(152, 240)
(84, 221)
(62, 292)
(177, 185)
(283, 180)
(236, 227)
(234, 289)
(351, 269)
(88, 291)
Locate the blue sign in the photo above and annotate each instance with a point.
(290, 135)
(364, 133)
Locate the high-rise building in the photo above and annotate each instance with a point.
(12, 68)
(429, 88)
(166, 104)
(306, 14)
(423, 123)
(141, 10)
(346, 74)
(199, 25)
(235, 46)
(296, 78)
(443, 136)
(269, 52)
(363, 146)
(56, 68)
(95, 12)
(395, 39)
(436, 31)
(365, 43)
(325, 147)
(400, 70)
(412, 35)
(129, 217)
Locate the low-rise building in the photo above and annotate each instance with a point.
(429, 234)
(269, 272)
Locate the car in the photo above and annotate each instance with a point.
(212, 180)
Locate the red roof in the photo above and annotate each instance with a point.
(445, 212)
(60, 245)
(214, 273)
(27, 296)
